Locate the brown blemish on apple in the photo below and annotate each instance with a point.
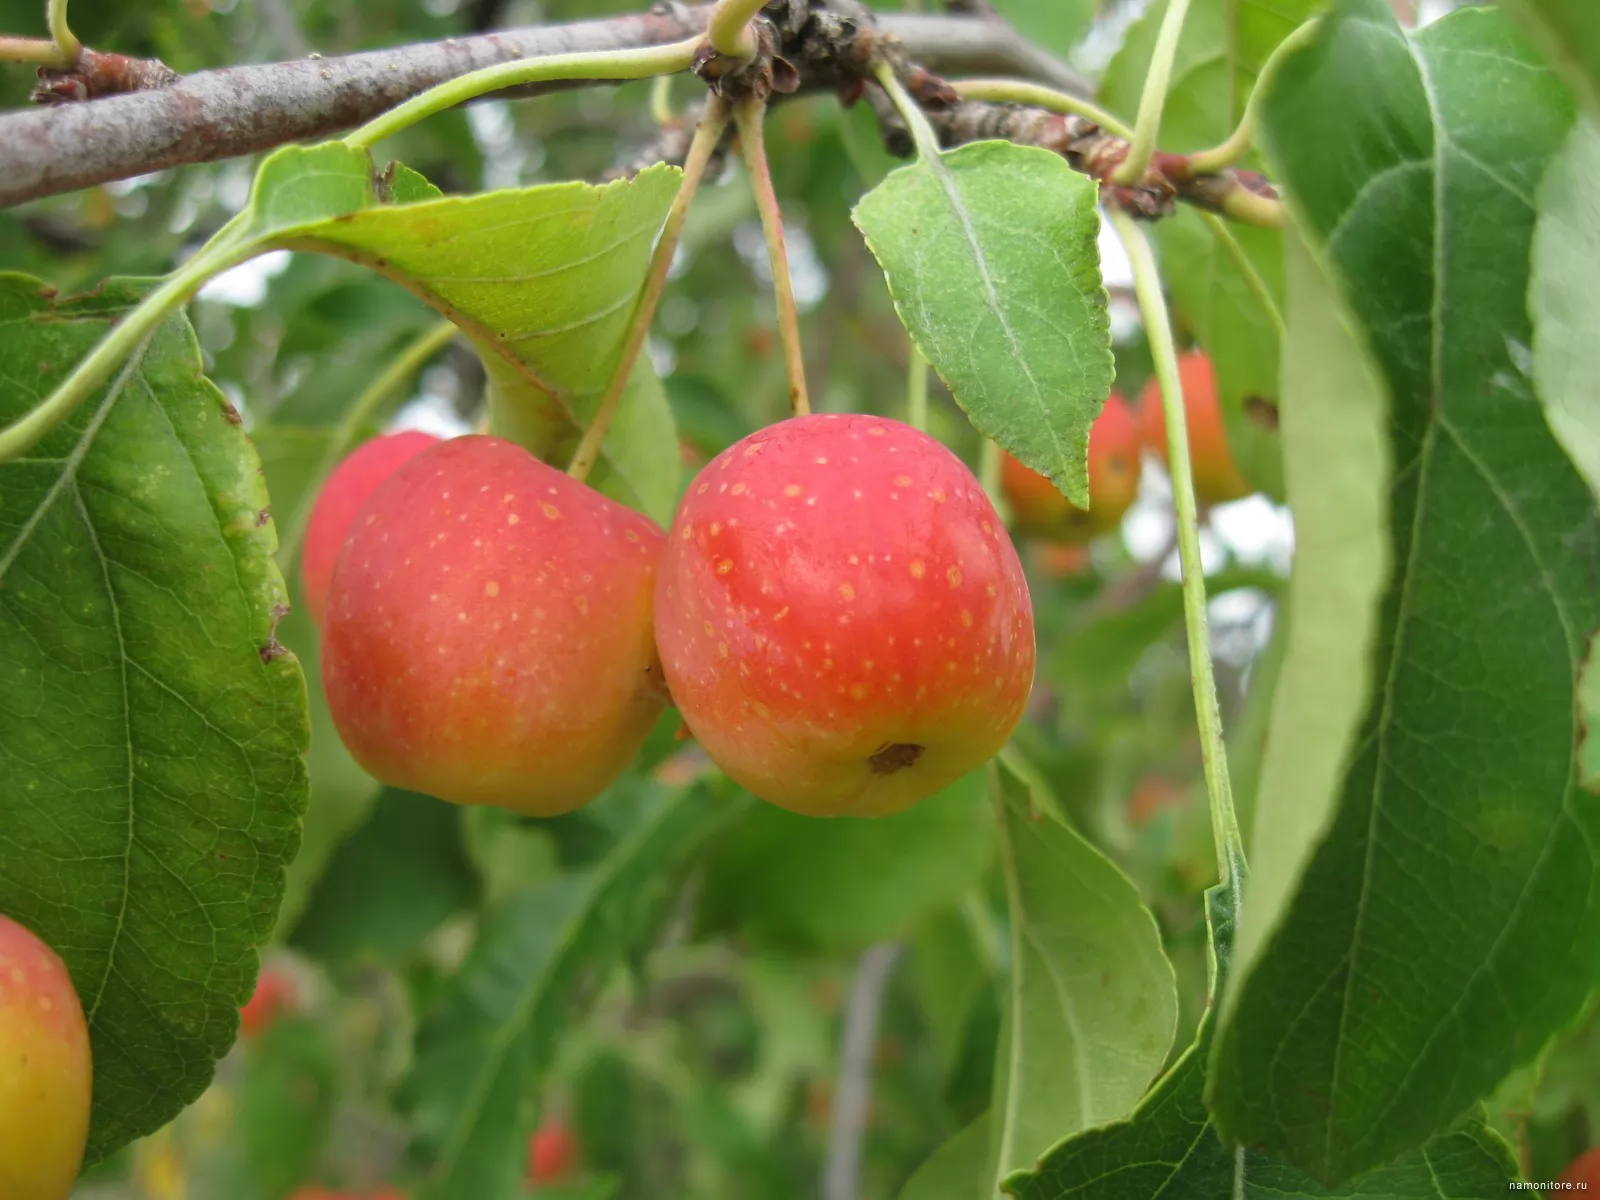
(896, 756)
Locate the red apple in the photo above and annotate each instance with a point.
(1584, 1169)
(1216, 477)
(45, 1070)
(1040, 510)
(552, 1153)
(275, 993)
(488, 635)
(348, 488)
(842, 617)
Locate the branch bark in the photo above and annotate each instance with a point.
(219, 114)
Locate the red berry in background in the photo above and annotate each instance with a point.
(552, 1153)
(1216, 477)
(1584, 1169)
(45, 1070)
(1038, 508)
(341, 498)
(842, 617)
(275, 994)
(488, 633)
(1056, 560)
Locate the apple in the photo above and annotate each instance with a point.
(488, 636)
(552, 1153)
(46, 1074)
(1585, 1170)
(349, 486)
(843, 619)
(1216, 476)
(275, 993)
(1038, 508)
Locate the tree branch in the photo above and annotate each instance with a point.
(219, 114)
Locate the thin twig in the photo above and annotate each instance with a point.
(213, 115)
(852, 1093)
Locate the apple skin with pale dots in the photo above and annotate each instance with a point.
(488, 634)
(843, 619)
(349, 486)
(46, 1070)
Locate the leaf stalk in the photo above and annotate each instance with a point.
(1153, 100)
(1158, 327)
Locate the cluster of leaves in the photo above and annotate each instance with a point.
(1419, 927)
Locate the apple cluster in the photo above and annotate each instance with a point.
(837, 612)
(1039, 510)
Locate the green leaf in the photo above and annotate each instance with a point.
(1092, 1006)
(492, 1033)
(1447, 920)
(992, 258)
(341, 792)
(1589, 716)
(1564, 297)
(1224, 44)
(543, 281)
(1224, 295)
(1170, 1148)
(843, 884)
(151, 727)
(1568, 31)
(955, 1170)
(282, 1114)
(391, 883)
(1336, 451)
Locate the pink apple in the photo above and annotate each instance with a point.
(488, 632)
(842, 616)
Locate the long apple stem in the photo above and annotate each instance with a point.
(707, 135)
(1213, 750)
(750, 115)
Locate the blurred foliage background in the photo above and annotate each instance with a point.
(706, 1069)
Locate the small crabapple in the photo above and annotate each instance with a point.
(488, 632)
(1038, 508)
(843, 619)
(46, 1072)
(552, 1153)
(1216, 476)
(348, 488)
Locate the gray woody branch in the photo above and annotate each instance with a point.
(219, 114)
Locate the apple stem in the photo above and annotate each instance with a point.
(1147, 125)
(402, 368)
(917, 390)
(750, 115)
(707, 136)
(1213, 750)
(1036, 95)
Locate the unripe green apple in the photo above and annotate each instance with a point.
(1038, 508)
(488, 632)
(348, 488)
(1216, 476)
(842, 616)
(45, 1070)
